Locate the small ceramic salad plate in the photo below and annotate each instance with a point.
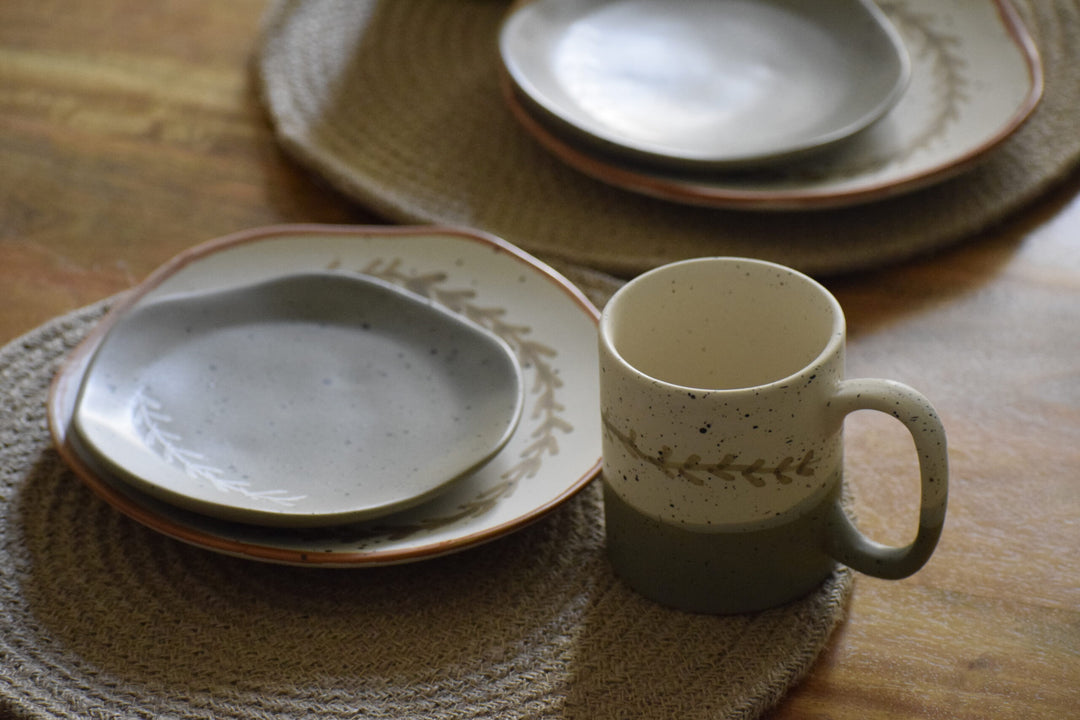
(706, 84)
(306, 399)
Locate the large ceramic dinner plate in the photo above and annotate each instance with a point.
(710, 84)
(975, 78)
(549, 325)
(302, 400)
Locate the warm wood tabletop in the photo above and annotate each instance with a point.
(129, 131)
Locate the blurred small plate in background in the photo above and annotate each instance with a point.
(706, 84)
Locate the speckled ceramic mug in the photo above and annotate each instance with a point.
(723, 402)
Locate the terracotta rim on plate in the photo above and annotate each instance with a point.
(67, 375)
(667, 186)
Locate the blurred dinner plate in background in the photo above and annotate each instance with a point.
(976, 77)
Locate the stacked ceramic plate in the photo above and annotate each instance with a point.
(767, 103)
(337, 396)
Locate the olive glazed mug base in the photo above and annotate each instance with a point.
(718, 573)
(722, 404)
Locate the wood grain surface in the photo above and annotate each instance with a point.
(129, 131)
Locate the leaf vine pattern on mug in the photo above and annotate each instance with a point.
(696, 471)
(150, 419)
(547, 411)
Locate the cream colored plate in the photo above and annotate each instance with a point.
(306, 399)
(548, 324)
(706, 83)
(976, 77)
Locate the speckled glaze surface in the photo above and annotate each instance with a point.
(722, 404)
(548, 323)
(306, 399)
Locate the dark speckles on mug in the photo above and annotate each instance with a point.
(724, 463)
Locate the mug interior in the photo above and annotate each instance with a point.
(722, 323)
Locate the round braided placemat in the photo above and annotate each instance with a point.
(397, 104)
(101, 617)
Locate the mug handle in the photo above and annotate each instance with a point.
(845, 543)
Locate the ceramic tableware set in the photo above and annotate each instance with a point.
(765, 104)
(359, 396)
(722, 389)
(337, 396)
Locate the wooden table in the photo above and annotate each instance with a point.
(129, 131)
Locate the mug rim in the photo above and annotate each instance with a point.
(831, 347)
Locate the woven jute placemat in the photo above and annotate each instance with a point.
(101, 617)
(397, 104)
